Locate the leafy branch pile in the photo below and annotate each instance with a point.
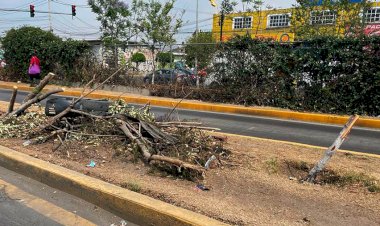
(177, 147)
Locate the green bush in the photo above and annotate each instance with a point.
(19, 45)
(138, 58)
(333, 75)
(164, 58)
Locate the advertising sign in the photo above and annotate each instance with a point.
(372, 30)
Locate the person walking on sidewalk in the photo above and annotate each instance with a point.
(34, 71)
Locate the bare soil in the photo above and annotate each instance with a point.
(256, 187)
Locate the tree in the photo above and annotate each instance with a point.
(204, 51)
(138, 58)
(164, 58)
(158, 26)
(227, 7)
(116, 23)
(346, 18)
(19, 44)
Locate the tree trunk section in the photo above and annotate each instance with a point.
(12, 101)
(332, 149)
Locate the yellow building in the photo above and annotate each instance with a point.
(276, 24)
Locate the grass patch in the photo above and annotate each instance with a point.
(272, 165)
(339, 179)
(131, 186)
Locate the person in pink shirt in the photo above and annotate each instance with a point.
(34, 71)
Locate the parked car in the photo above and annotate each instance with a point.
(162, 76)
(186, 76)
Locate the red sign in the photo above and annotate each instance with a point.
(372, 30)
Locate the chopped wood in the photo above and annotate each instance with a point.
(156, 133)
(196, 127)
(179, 123)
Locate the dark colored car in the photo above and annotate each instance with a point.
(162, 76)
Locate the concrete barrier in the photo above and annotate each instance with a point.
(128, 205)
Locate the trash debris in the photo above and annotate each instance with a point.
(292, 178)
(92, 164)
(26, 143)
(209, 161)
(122, 223)
(202, 187)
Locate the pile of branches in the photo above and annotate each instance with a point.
(175, 146)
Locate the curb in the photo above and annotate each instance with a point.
(297, 144)
(129, 205)
(235, 109)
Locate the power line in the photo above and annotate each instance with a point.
(62, 3)
(36, 2)
(22, 10)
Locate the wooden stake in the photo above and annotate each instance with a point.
(332, 149)
(12, 101)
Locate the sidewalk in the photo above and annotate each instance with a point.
(213, 107)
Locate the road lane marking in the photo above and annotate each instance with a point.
(43, 207)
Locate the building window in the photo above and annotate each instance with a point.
(372, 15)
(242, 22)
(323, 17)
(278, 20)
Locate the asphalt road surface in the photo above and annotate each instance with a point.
(360, 139)
(24, 201)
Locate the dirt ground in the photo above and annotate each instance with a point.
(256, 187)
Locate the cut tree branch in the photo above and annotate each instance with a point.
(39, 87)
(34, 100)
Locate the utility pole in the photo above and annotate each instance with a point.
(221, 20)
(50, 27)
(196, 52)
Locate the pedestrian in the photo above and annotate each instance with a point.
(34, 71)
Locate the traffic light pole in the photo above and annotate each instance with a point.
(196, 52)
(50, 26)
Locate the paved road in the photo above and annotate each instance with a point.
(360, 140)
(24, 201)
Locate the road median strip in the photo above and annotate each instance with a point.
(129, 205)
(212, 107)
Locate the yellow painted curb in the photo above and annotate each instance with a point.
(129, 205)
(193, 105)
(294, 143)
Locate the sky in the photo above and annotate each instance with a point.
(85, 26)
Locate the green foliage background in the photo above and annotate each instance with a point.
(325, 74)
(204, 51)
(19, 45)
(164, 58)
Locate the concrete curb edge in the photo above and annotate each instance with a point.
(129, 205)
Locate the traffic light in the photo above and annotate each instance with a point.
(73, 10)
(31, 9)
